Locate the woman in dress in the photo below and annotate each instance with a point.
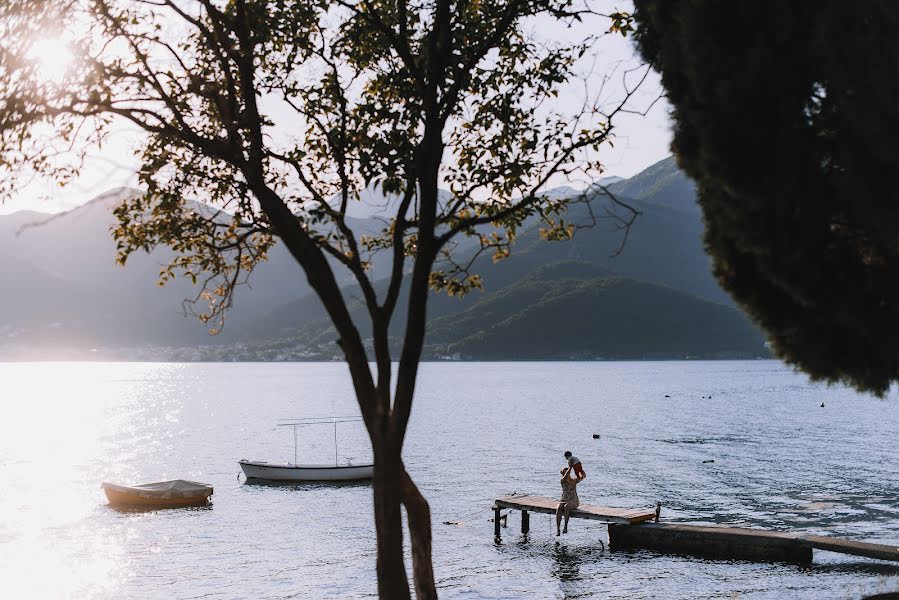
(569, 500)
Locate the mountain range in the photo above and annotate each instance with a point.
(65, 297)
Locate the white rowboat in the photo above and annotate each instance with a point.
(292, 472)
(262, 470)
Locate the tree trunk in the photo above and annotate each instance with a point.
(419, 515)
(393, 583)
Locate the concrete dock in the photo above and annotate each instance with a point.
(740, 543)
(711, 542)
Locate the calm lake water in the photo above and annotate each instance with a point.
(479, 430)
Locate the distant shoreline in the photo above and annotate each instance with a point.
(428, 361)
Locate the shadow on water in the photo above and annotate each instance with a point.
(306, 485)
(126, 510)
(572, 566)
(861, 566)
(567, 559)
(566, 562)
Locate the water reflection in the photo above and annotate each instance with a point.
(54, 438)
(479, 431)
(854, 566)
(143, 510)
(307, 485)
(566, 563)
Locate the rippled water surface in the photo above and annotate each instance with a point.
(479, 430)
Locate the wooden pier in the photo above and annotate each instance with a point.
(628, 529)
(541, 504)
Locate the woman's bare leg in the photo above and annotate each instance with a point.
(559, 510)
(567, 515)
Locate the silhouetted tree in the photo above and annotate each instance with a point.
(279, 113)
(785, 113)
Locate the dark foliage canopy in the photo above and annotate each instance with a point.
(785, 114)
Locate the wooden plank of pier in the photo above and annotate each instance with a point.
(866, 549)
(541, 504)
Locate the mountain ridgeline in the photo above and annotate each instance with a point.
(580, 299)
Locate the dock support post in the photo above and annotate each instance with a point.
(496, 517)
(525, 521)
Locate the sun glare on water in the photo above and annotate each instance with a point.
(53, 56)
(51, 445)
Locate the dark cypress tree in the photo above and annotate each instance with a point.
(786, 113)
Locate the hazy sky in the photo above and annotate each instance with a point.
(639, 142)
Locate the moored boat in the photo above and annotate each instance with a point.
(163, 494)
(292, 472)
(340, 470)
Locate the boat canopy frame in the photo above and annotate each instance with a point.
(309, 421)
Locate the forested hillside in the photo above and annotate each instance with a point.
(581, 298)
